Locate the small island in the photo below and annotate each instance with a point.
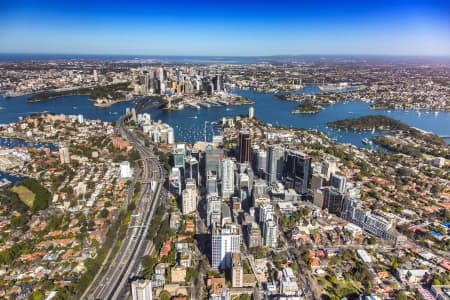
(307, 109)
(405, 139)
(369, 122)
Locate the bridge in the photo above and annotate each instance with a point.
(149, 103)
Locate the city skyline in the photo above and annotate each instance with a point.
(226, 29)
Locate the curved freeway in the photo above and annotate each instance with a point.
(114, 282)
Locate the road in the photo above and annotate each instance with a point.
(113, 284)
(305, 279)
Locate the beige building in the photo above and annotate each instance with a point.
(178, 274)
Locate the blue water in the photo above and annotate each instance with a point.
(12, 178)
(189, 123)
(12, 142)
(16, 107)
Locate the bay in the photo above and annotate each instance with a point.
(189, 123)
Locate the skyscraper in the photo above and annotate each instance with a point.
(275, 163)
(189, 197)
(339, 182)
(212, 157)
(262, 163)
(270, 232)
(266, 213)
(253, 235)
(298, 171)
(141, 290)
(146, 83)
(332, 200)
(178, 156)
(211, 183)
(328, 167)
(193, 170)
(227, 178)
(225, 241)
(213, 210)
(245, 143)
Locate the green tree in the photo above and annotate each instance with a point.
(401, 295)
(38, 295)
(104, 213)
(164, 295)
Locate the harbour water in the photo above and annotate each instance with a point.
(11, 143)
(189, 123)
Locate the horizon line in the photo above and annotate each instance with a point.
(228, 56)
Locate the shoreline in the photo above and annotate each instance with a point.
(28, 140)
(108, 104)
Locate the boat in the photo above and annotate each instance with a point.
(373, 130)
(436, 113)
(350, 113)
(366, 141)
(205, 104)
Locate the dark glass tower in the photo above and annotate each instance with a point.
(298, 171)
(245, 143)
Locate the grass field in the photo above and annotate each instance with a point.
(25, 195)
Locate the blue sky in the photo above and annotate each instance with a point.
(226, 27)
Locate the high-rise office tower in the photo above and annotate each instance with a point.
(141, 290)
(160, 74)
(275, 163)
(262, 163)
(237, 270)
(193, 170)
(189, 197)
(260, 187)
(146, 83)
(213, 210)
(225, 241)
(328, 167)
(245, 144)
(211, 183)
(227, 178)
(317, 181)
(212, 155)
(332, 200)
(298, 171)
(218, 83)
(270, 232)
(175, 183)
(339, 182)
(178, 156)
(253, 235)
(266, 213)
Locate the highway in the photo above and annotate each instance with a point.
(113, 284)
